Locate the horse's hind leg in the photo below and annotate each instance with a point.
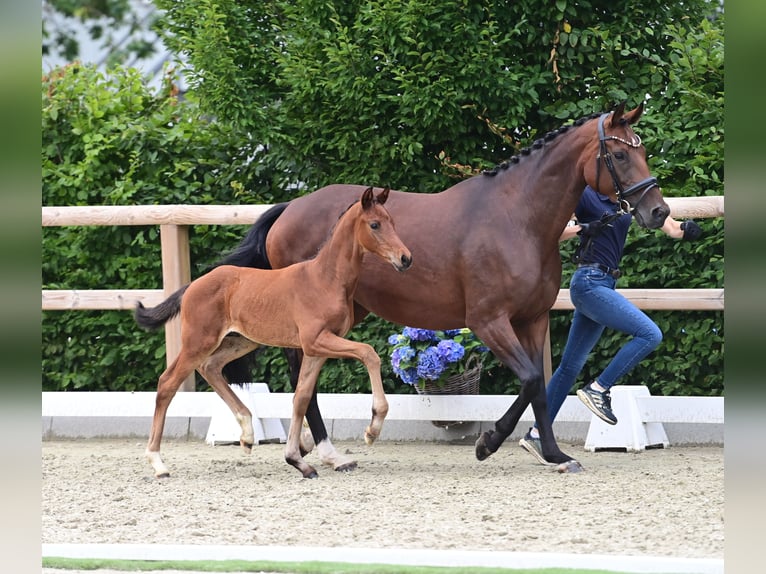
(232, 347)
(327, 452)
(167, 386)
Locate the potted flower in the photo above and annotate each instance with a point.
(438, 362)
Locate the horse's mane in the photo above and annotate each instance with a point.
(538, 144)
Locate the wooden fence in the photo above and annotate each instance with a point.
(174, 222)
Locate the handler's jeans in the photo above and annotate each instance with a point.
(598, 305)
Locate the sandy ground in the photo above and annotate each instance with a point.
(403, 495)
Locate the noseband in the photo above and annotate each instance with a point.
(642, 186)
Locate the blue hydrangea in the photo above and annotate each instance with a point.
(419, 334)
(401, 354)
(430, 364)
(397, 339)
(450, 350)
(423, 354)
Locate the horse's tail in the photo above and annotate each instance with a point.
(252, 251)
(151, 318)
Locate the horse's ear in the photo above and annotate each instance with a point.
(367, 198)
(383, 196)
(617, 114)
(632, 116)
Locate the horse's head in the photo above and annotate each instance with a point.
(620, 170)
(376, 232)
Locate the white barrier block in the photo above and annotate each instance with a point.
(630, 432)
(224, 427)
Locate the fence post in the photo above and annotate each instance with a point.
(176, 272)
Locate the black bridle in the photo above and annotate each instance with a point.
(642, 186)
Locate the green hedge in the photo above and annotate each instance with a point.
(272, 124)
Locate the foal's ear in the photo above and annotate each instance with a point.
(367, 198)
(383, 196)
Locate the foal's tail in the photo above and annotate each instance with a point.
(251, 252)
(151, 318)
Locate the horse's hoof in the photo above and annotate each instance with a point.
(311, 474)
(369, 439)
(482, 450)
(346, 467)
(247, 447)
(570, 466)
(162, 475)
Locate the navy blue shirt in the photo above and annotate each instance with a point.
(607, 246)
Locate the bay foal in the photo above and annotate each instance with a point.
(309, 306)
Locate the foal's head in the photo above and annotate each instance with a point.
(620, 170)
(375, 230)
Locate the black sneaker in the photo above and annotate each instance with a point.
(599, 403)
(533, 446)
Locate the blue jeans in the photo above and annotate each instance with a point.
(598, 305)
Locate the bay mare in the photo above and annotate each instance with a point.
(486, 249)
(308, 306)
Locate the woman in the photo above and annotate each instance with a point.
(603, 229)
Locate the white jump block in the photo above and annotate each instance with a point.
(224, 427)
(631, 432)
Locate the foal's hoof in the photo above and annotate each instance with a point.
(346, 467)
(369, 438)
(162, 475)
(246, 446)
(482, 450)
(570, 466)
(310, 474)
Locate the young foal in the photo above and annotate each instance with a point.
(233, 310)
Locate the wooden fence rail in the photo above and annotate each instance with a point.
(176, 265)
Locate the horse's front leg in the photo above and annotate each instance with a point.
(327, 452)
(330, 345)
(525, 359)
(304, 389)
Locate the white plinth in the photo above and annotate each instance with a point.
(631, 432)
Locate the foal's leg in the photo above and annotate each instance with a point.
(232, 347)
(500, 337)
(327, 452)
(167, 386)
(309, 372)
(330, 345)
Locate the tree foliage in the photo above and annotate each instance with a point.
(414, 94)
(122, 29)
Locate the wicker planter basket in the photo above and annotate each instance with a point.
(465, 383)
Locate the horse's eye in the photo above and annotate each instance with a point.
(619, 155)
(375, 225)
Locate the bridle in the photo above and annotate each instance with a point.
(642, 186)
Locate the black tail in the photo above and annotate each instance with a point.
(151, 318)
(252, 251)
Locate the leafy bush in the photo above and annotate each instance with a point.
(289, 96)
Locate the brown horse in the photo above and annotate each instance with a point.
(487, 252)
(233, 310)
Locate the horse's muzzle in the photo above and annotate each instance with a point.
(404, 263)
(656, 218)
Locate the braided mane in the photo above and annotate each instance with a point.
(538, 144)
